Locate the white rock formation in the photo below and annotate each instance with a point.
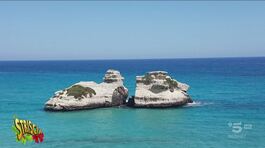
(157, 89)
(88, 95)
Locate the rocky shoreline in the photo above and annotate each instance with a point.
(153, 90)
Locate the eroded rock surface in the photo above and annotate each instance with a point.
(158, 90)
(88, 95)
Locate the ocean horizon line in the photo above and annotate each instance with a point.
(132, 59)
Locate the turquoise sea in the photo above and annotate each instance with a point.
(229, 110)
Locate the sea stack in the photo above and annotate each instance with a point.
(89, 95)
(158, 90)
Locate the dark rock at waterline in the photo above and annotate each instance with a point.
(130, 102)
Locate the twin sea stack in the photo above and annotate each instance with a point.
(158, 90)
(153, 90)
(89, 95)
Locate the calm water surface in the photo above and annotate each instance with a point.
(227, 91)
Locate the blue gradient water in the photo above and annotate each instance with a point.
(229, 90)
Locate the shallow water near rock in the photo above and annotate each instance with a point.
(225, 91)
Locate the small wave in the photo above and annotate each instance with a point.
(197, 104)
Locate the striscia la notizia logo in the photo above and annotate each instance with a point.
(26, 131)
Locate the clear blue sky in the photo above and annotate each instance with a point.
(121, 30)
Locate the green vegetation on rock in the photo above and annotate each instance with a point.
(172, 84)
(147, 79)
(78, 91)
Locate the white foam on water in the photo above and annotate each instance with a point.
(197, 104)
